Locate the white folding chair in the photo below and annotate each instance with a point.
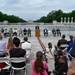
(5, 60)
(28, 53)
(5, 52)
(62, 46)
(15, 61)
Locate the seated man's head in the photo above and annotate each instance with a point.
(71, 37)
(25, 39)
(16, 41)
(63, 36)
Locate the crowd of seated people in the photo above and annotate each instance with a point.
(56, 32)
(70, 51)
(39, 65)
(15, 32)
(15, 49)
(60, 56)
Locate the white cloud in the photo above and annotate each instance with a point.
(34, 9)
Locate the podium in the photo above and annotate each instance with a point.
(37, 32)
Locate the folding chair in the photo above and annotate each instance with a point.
(28, 53)
(16, 61)
(5, 60)
(63, 46)
(5, 52)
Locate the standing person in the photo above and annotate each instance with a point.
(17, 51)
(39, 66)
(37, 27)
(10, 43)
(2, 46)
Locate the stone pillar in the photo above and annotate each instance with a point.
(71, 19)
(68, 20)
(65, 20)
(61, 20)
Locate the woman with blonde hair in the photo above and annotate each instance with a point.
(39, 66)
(10, 43)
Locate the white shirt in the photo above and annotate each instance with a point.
(49, 55)
(26, 45)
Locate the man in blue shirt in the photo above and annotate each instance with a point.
(71, 39)
(70, 45)
(68, 49)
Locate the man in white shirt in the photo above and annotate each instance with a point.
(27, 46)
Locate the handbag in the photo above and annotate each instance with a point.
(48, 72)
(57, 72)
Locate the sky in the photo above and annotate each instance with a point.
(34, 9)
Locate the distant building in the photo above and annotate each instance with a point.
(54, 22)
(5, 22)
(30, 21)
